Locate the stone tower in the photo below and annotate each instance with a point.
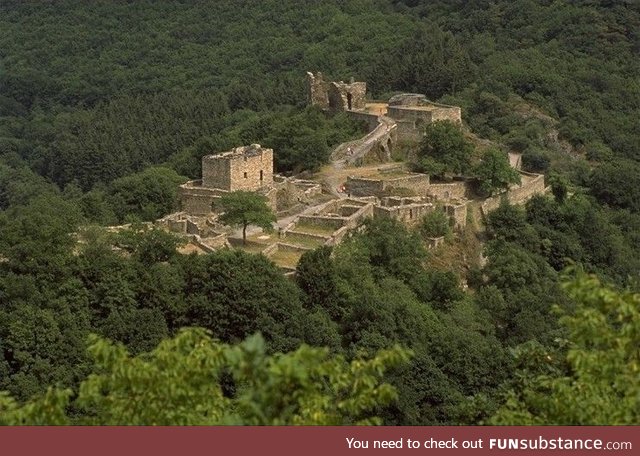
(243, 168)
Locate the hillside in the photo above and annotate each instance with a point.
(107, 107)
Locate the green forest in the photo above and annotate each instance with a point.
(107, 106)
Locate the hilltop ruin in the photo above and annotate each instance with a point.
(311, 214)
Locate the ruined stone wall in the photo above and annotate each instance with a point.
(457, 213)
(196, 199)
(211, 243)
(450, 113)
(417, 183)
(244, 168)
(360, 186)
(414, 117)
(291, 192)
(411, 122)
(532, 184)
(453, 190)
(377, 145)
(435, 242)
(409, 214)
(322, 239)
(371, 120)
(336, 96)
(317, 90)
(272, 198)
(347, 97)
(323, 221)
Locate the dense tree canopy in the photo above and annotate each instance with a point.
(444, 149)
(105, 105)
(495, 173)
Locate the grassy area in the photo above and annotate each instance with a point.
(250, 247)
(315, 229)
(303, 241)
(286, 258)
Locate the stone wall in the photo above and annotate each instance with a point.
(532, 184)
(317, 90)
(377, 145)
(409, 214)
(361, 186)
(347, 97)
(413, 112)
(291, 191)
(435, 242)
(311, 236)
(323, 221)
(457, 213)
(449, 190)
(272, 197)
(371, 120)
(243, 168)
(336, 96)
(211, 243)
(196, 199)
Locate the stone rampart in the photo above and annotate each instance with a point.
(532, 184)
(335, 96)
(376, 145)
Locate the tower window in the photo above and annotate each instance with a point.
(245, 175)
(261, 176)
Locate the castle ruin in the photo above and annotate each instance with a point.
(335, 96)
(306, 219)
(247, 168)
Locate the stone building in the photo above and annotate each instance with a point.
(335, 96)
(243, 168)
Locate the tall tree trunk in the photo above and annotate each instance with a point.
(244, 234)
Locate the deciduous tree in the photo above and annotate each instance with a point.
(242, 208)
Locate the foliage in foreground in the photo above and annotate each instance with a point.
(194, 380)
(597, 383)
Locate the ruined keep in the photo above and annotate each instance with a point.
(335, 96)
(243, 168)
